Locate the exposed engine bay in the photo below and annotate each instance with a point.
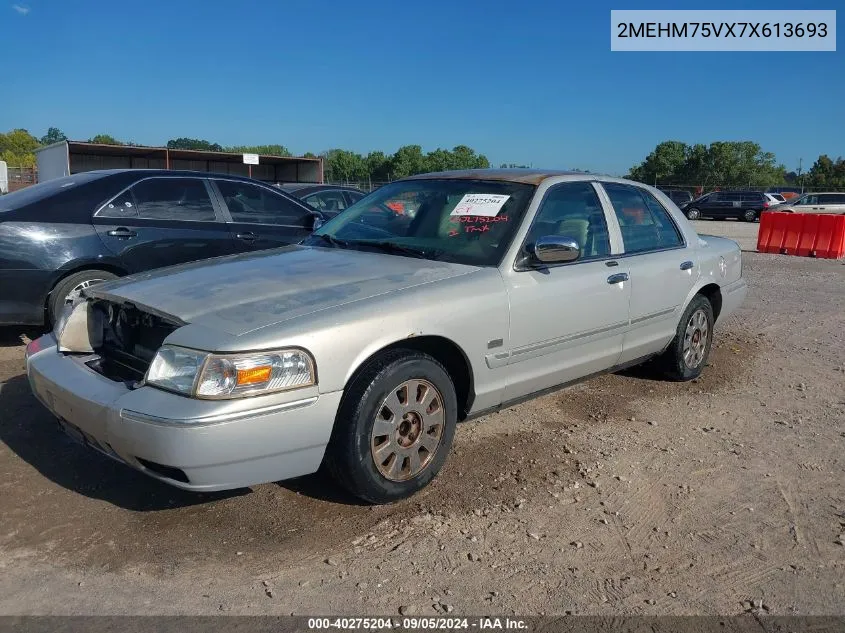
(123, 337)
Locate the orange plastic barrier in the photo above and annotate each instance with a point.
(805, 234)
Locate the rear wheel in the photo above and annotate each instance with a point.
(394, 427)
(687, 354)
(69, 289)
(749, 215)
(693, 214)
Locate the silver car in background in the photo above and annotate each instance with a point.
(361, 348)
(815, 202)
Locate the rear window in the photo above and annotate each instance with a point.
(43, 190)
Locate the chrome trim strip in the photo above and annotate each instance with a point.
(136, 416)
(566, 339)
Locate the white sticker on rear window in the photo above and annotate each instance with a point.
(483, 204)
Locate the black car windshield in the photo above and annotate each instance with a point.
(463, 221)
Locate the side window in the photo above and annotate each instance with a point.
(573, 210)
(173, 199)
(645, 224)
(332, 201)
(121, 207)
(354, 196)
(667, 232)
(256, 205)
(832, 198)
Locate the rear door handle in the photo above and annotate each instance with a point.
(618, 278)
(122, 232)
(247, 237)
(686, 265)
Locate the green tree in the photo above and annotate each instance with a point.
(663, 164)
(344, 166)
(826, 173)
(105, 139)
(264, 150)
(378, 166)
(53, 135)
(17, 148)
(722, 163)
(407, 161)
(309, 155)
(193, 143)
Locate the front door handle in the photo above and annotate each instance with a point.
(247, 237)
(618, 278)
(122, 233)
(687, 265)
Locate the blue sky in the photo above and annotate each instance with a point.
(529, 82)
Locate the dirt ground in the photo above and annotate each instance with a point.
(624, 495)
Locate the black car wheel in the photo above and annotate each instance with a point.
(749, 215)
(69, 288)
(687, 354)
(394, 427)
(693, 214)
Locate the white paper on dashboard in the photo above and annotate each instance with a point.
(483, 204)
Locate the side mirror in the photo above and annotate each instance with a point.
(556, 249)
(317, 221)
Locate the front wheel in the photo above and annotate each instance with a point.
(749, 215)
(693, 214)
(687, 354)
(394, 427)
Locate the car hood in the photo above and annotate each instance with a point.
(242, 293)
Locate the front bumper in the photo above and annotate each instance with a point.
(200, 445)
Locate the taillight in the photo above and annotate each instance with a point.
(765, 205)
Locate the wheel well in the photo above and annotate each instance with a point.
(714, 296)
(448, 354)
(115, 270)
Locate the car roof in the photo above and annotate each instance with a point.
(170, 172)
(529, 176)
(316, 186)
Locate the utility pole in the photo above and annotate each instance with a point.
(800, 177)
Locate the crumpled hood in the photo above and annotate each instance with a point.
(239, 294)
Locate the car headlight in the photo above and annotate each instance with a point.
(218, 376)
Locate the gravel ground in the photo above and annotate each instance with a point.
(624, 495)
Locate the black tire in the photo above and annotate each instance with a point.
(349, 456)
(749, 215)
(693, 214)
(672, 363)
(60, 293)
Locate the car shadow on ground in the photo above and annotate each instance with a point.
(322, 487)
(33, 434)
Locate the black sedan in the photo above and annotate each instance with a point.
(327, 199)
(60, 236)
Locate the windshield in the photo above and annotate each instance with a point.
(463, 221)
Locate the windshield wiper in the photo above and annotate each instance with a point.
(399, 249)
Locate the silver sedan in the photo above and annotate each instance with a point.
(434, 299)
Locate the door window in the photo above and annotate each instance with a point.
(331, 201)
(573, 210)
(121, 207)
(645, 224)
(354, 196)
(832, 198)
(183, 199)
(252, 204)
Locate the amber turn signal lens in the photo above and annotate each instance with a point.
(253, 375)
